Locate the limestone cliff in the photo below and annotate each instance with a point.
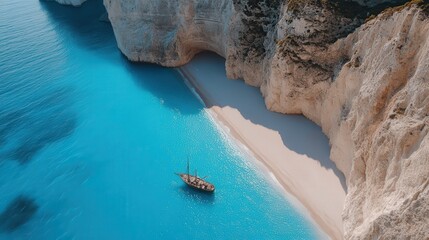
(370, 93)
(367, 85)
(376, 115)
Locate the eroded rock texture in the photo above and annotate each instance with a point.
(379, 128)
(370, 93)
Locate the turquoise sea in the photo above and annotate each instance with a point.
(89, 142)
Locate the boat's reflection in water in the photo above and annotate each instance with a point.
(197, 195)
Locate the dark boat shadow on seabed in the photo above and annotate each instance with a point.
(196, 195)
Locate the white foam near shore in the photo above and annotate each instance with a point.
(292, 148)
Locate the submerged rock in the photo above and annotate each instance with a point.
(75, 3)
(17, 213)
(44, 118)
(104, 18)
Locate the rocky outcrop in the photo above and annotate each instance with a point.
(170, 32)
(366, 85)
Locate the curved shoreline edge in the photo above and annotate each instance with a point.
(292, 176)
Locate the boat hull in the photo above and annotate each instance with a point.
(197, 183)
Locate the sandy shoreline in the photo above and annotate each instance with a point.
(291, 147)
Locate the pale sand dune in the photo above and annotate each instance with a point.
(292, 147)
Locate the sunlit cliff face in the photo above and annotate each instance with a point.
(170, 32)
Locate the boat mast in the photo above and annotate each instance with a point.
(188, 168)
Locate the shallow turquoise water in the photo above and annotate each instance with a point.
(89, 142)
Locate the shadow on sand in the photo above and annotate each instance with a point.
(298, 133)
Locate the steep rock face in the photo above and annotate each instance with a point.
(360, 90)
(169, 32)
(369, 90)
(172, 32)
(377, 109)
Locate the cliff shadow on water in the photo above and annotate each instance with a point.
(84, 26)
(166, 84)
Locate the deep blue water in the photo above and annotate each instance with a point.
(89, 142)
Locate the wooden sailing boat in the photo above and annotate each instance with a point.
(196, 182)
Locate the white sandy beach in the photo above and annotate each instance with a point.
(293, 148)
